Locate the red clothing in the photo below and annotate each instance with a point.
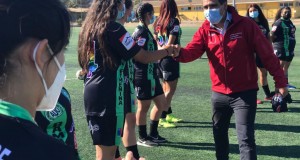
(232, 55)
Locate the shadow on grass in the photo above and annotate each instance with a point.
(266, 110)
(280, 128)
(187, 124)
(276, 151)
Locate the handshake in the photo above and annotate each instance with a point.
(172, 50)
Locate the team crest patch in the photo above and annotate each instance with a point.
(141, 41)
(274, 28)
(127, 41)
(176, 28)
(55, 113)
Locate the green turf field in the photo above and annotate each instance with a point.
(277, 135)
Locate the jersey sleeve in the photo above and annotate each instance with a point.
(175, 27)
(275, 27)
(140, 37)
(122, 42)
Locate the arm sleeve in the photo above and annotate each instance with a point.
(174, 29)
(194, 49)
(140, 37)
(275, 27)
(264, 50)
(122, 43)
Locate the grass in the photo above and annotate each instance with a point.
(277, 134)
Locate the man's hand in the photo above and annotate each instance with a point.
(283, 91)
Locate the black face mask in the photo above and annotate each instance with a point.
(287, 16)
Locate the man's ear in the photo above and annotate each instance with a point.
(41, 54)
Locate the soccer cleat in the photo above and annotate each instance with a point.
(157, 139)
(258, 101)
(146, 142)
(171, 119)
(290, 86)
(165, 124)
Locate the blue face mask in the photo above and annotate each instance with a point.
(152, 19)
(253, 14)
(130, 17)
(213, 15)
(121, 13)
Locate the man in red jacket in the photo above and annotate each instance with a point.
(230, 42)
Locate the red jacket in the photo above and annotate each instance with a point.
(232, 56)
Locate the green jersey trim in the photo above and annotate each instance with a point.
(13, 110)
(286, 39)
(57, 121)
(120, 102)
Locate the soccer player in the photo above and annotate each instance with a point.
(167, 31)
(146, 81)
(129, 137)
(58, 122)
(284, 40)
(105, 52)
(33, 35)
(255, 13)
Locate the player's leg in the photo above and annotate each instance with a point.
(141, 118)
(160, 103)
(105, 152)
(129, 136)
(263, 79)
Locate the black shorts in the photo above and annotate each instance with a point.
(106, 130)
(147, 89)
(168, 69)
(282, 53)
(259, 63)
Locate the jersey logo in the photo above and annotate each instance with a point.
(57, 131)
(93, 128)
(274, 28)
(127, 41)
(4, 152)
(176, 28)
(141, 42)
(56, 112)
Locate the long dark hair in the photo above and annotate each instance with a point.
(24, 19)
(95, 27)
(142, 10)
(168, 10)
(278, 13)
(261, 17)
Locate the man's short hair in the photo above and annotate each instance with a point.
(222, 1)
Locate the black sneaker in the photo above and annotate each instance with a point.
(157, 139)
(146, 142)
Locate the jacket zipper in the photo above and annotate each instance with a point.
(224, 61)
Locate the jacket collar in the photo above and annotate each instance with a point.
(235, 18)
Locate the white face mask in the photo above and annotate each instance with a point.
(50, 99)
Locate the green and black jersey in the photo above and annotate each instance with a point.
(59, 123)
(284, 33)
(107, 91)
(169, 69)
(144, 38)
(172, 29)
(21, 138)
